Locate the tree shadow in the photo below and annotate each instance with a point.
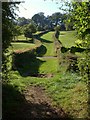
(16, 107)
(40, 51)
(76, 49)
(42, 40)
(41, 33)
(72, 49)
(23, 41)
(26, 64)
(38, 36)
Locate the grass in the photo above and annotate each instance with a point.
(67, 90)
(49, 46)
(68, 38)
(22, 46)
(22, 37)
(49, 66)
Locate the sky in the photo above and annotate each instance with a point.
(32, 7)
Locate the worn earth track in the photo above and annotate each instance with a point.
(39, 105)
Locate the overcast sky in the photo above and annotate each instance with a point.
(31, 7)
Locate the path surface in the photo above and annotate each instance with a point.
(39, 105)
(47, 57)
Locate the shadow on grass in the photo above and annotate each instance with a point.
(27, 65)
(72, 49)
(38, 36)
(42, 40)
(23, 41)
(16, 107)
(40, 51)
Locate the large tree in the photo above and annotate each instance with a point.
(39, 19)
(22, 21)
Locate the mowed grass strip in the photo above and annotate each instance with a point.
(22, 46)
(49, 43)
(68, 38)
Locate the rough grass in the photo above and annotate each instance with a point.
(48, 43)
(67, 90)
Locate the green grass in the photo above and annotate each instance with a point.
(49, 46)
(49, 66)
(67, 90)
(22, 46)
(22, 37)
(68, 38)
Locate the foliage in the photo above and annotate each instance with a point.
(16, 31)
(21, 21)
(69, 24)
(49, 22)
(8, 15)
(30, 28)
(6, 64)
(81, 15)
(57, 28)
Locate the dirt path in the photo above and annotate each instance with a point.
(39, 105)
(47, 57)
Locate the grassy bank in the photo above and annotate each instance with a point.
(67, 89)
(68, 38)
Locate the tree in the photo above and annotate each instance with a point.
(29, 30)
(8, 15)
(56, 18)
(57, 33)
(69, 24)
(81, 15)
(16, 31)
(39, 19)
(22, 21)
